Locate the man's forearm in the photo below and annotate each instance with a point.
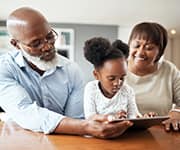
(95, 127)
(71, 126)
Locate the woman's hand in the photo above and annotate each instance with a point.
(173, 123)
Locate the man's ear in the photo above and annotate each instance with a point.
(95, 73)
(15, 43)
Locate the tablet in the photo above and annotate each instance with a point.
(144, 122)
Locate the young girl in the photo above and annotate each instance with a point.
(108, 94)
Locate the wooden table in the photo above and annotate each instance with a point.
(13, 137)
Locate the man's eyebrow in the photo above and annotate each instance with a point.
(34, 40)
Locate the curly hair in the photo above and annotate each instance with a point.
(98, 50)
(123, 47)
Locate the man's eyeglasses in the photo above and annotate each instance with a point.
(39, 43)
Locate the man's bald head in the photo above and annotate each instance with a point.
(22, 19)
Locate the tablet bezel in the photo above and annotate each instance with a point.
(144, 122)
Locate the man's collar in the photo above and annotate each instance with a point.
(20, 60)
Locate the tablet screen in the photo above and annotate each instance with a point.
(145, 122)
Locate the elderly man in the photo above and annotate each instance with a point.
(41, 90)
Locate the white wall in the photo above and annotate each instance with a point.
(168, 51)
(124, 33)
(176, 51)
(172, 51)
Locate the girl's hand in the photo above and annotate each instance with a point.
(118, 115)
(121, 114)
(149, 115)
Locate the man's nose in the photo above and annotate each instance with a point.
(47, 46)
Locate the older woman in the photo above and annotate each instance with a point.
(156, 81)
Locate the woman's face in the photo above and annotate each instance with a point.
(111, 76)
(142, 54)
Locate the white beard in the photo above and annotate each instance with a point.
(41, 64)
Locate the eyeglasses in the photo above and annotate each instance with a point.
(39, 43)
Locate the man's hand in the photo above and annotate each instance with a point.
(99, 126)
(174, 122)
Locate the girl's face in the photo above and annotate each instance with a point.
(142, 54)
(111, 76)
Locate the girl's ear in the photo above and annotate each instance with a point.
(96, 74)
(15, 43)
